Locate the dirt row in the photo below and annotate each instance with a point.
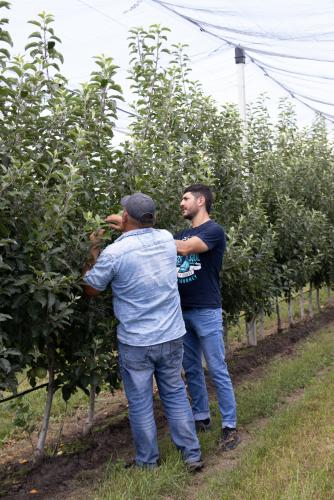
(64, 475)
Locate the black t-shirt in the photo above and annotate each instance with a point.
(198, 274)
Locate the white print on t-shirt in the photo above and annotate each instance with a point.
(186, 267)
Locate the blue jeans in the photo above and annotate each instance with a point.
(205, 335)
(164, 361)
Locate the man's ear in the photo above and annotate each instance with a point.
(201, 200)
(125, 217)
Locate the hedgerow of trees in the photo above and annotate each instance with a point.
(61, 174)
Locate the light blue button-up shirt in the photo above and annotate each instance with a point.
(140, 267)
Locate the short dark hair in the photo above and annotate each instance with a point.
(201, 189)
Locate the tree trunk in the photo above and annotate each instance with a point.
(251, 331)
(261, 323)
(39, 452)
(318, 299)
(279, 320)
(301, 301)
(92, 389)
(290, 311)
(310, 305)
(91, 410)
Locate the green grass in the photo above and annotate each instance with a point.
(170, 477)
(282, 377)
(36, 402)
(255, 399)
(293, 458)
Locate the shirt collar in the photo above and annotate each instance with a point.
(134, 232)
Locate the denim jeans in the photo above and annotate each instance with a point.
(138, 364)
(205, 335)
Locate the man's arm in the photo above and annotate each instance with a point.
(102, 273)
(94, 251)
(193, 245)
(90, 291)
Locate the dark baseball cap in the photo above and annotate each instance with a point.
(140, 207)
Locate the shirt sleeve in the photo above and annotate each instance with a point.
(213, 236)
(102, 273)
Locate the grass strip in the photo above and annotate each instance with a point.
(255, 399)
(292, 458)
(283, 376)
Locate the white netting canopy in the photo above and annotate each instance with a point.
(289, 45)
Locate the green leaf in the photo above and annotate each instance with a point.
(5, 37)
(31, 45)
(5, 52)
(13, 352)
(5, 317)
(35, 23)
(35, 34)
(5, 365)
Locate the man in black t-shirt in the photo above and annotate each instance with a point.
(200, 254)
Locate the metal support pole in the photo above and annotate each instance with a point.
(240, 60)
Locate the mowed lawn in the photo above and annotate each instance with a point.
(286, 416)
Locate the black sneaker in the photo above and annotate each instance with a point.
(229, 439)
(195, 466)
(203, 425)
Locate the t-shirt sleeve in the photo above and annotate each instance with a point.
(178, 236)
(213, 236)
(100, 276)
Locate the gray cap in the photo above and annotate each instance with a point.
(140, 207)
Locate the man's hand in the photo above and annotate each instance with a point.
(115, 222)
(90, 291)
(96, 238)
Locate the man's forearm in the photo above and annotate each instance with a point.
(192, 245)
(181, 247)
(94, 252)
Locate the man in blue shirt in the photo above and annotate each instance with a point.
(200, 251)
(140, 268)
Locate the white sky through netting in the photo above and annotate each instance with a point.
(289, 45)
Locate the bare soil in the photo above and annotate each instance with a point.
(82, 459)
